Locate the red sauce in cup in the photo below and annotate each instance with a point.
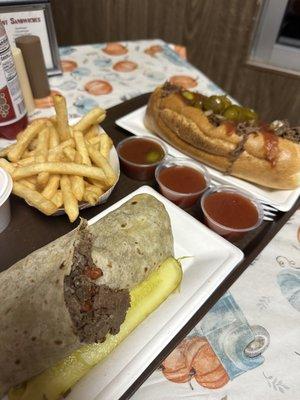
(231, 210)
(230, 213)
(181, 184)
(139, 157)
(182, 179)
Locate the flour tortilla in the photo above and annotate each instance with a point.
(36, 327)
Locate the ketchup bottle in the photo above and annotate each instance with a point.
(13, 115)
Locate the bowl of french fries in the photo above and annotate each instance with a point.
(58, 167)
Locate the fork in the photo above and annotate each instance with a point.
(270, 212)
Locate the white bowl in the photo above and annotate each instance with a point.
(5, 191)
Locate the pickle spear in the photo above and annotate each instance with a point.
(145, 298)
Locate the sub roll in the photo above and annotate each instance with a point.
(226, 137)
(75, 290)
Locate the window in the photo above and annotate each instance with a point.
(276, 43)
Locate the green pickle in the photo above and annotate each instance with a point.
(233, 113)
(198, 104)
(154, 156)
(226, 102)
(240, 114)
(219, 105)
(188, 95)
(206, 103)
(248, 114)
(216, 103)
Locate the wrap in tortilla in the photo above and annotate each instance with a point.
(75, 290)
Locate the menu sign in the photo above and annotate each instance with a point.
(33, 19)
(28, 23)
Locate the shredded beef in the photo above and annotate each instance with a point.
(239, 149)
(282, 129)
(243, 129)
(95, 310)
(215, 119)
(168, 88)
(247, 127)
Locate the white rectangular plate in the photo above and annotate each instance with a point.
(281, 199)
(212, 260)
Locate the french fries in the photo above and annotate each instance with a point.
(81, 147)
(56, 151)
(27, 183)
(34, 198)
(92, 193)
(96, 189)
(26, 161)
(92, 132)
(90, 197)
(56, 165)
(57, 199)
(28, 153)
(102, 162)
(70, 153)
(62, 117)
(95, 142)
(60, 168)
(105, 145)
(41, 155)
(5, 151)
(93, 117)
(69, 200)
(77, 182)
(7, 166)
(51, 187)
(53, 137)
(27, 136)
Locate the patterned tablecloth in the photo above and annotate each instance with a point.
(248, 344)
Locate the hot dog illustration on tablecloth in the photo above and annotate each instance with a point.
(194, 357)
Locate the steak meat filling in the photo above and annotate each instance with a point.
(95, 310)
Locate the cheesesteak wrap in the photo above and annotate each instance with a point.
(75, 290)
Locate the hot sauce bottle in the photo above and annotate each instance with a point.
(13, 115)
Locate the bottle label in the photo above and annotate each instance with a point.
(12, 107)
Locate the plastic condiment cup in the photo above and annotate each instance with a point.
(140, 172)
(226, 231)
(183, 200)
(5, 191)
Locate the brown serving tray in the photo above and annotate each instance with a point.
(30, 230)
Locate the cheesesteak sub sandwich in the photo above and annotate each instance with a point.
(225, 136)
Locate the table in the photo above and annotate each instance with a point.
(264, 301)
